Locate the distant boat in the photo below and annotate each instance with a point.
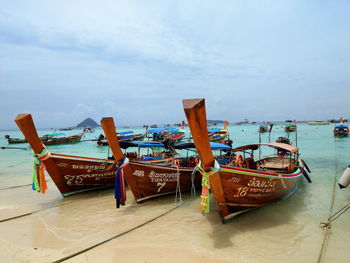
(166, 135)
(219, 134)
(89, 130)
(290, 127)
(18, 140)
(66, 129)
(318, 123)
(341, 130)
(14, 140)
(124, 136)
(57, 138)
(263, 128)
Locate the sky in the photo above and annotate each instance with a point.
(63, 61)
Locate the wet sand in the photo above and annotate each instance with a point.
(88, 228)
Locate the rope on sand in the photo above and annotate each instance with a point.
(335, 216)
(16, 186)
(114, 237)
(327, 225)
(30, 213)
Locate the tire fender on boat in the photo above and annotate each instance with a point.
(307, 177)
(305, 166)
(344, 180)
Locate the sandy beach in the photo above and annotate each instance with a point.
(88, 228)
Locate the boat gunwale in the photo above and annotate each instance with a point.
(254, 172)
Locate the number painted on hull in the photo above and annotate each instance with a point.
(161, 186)
(241, 192)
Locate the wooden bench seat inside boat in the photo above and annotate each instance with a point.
(276, 164)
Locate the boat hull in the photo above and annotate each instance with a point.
(238, 189)
(70, 139)
(290, 128)
(16, 140)
(218, 138)
(148, 181)
(341, 132)
(73, 174)
(318, 123)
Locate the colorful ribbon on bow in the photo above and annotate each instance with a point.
(206, 185)
(38, 179)
(119, 185)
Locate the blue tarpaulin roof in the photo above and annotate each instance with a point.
(341, 125)
(219, 146)
(214, 130)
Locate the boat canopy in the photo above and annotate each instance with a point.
(213, 146)
(276, 145)
(282, 146)
(342, 125)
(246, 147)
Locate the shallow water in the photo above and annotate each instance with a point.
(287, 231)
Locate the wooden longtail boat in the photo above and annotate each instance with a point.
(127, 136)
(341, 130)
(18, 140)
(318, 123)
(14, 140)
(71, 174)
(165, 156)
(168, 136)
(149, 180)
(263, 128)
(219, 135)
(290, 127)
(52, 140)
(139, 137)
(246, 184)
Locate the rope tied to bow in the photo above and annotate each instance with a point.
(38, 178)
(206, 185)
(119, 185)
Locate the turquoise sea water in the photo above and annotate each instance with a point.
(318, 147)
(326, 156)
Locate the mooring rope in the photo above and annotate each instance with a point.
(16, 186)
(335, 216)
(114, 237)
(33, 212)
(178, 196)
(327, 225)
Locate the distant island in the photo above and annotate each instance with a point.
(88, 123)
